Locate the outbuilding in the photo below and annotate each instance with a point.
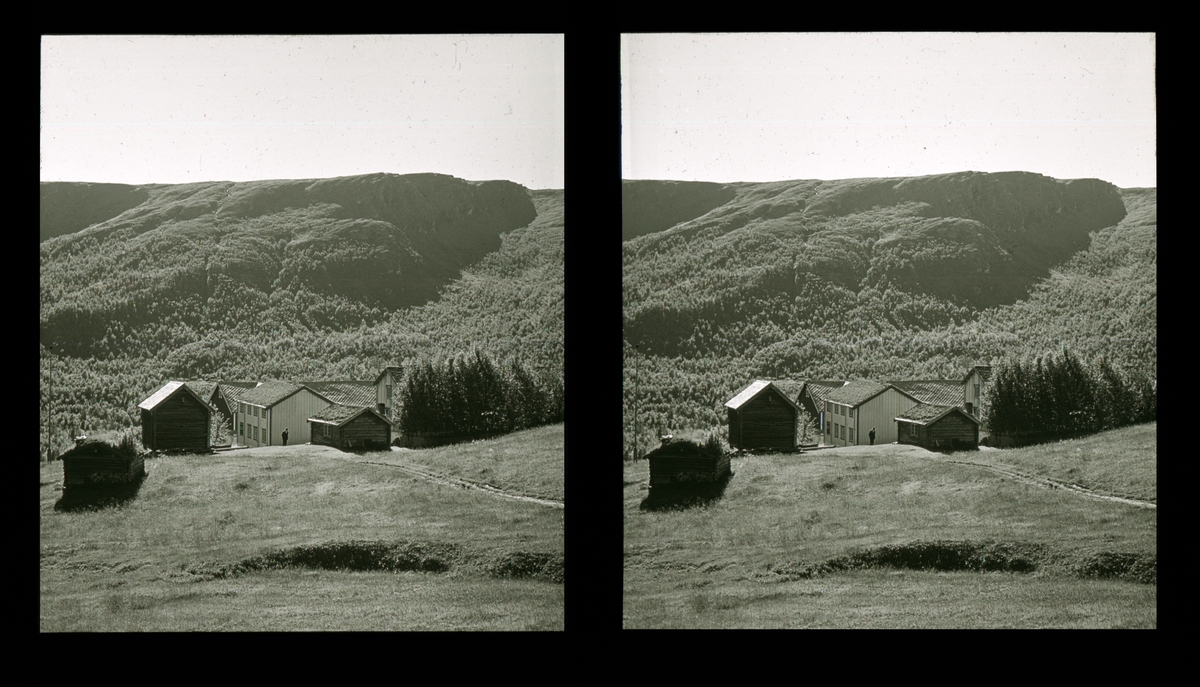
(96, 463)
(351, 428)
(855, 410)
(938, 428)
(684, 462)
(176, 418)
(762, 417)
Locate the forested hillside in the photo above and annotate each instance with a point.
(883, 278)
(294, 279)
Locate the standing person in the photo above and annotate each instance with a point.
(285, 436)
(870, 434)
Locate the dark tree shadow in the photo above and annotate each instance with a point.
(98, 496)
(688, 495)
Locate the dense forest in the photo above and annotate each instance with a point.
(297, 279)
(876, 278)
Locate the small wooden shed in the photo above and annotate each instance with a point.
(175, 418)
(761, 416)
(938, 428)
(351, 428)
(95, 463)
(685, 462)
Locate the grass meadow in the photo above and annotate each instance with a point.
(753, 556)
(168, 559)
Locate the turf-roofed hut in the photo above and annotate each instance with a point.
(762, 417)
(938, 428)
(176, 418)
(351, 428)
(96, 463)
(680, 461)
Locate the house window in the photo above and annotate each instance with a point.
(255, 412)
(242, 429)
(256, 434)
(976, 392)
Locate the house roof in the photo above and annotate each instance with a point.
(235, 390)
(985, 373)
(858, 392)
(268, 394)
(396, 371)
(339, 415)
(754, 389)
(820, 389)
(942, 392)
(926, 413)
(348, 392)
(168, 390)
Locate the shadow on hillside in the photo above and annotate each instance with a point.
(99, 496)
(681, 496)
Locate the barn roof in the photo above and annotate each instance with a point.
(942, 392)
(753, 389)
(203, 389)
(96, 449)
(350, 393)
(926, 413)
(168, 390)
(234, 391)
(859, 392)
(268, 394)
(339, 415)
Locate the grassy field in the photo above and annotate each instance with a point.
(1119, 462)
(830, 539)
(193, 549)
(529, 462)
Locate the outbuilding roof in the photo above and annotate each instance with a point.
(819, 389)
(339, 415)
(942, 392)
(268, 394)
(168, 390)
(925, 413)
(349, 393)
(754, 389)
(203, 389)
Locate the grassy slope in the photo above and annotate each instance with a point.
(1120, 462)
(794, 510)
(529, 462)
(122, 568)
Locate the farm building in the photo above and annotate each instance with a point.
(96, 463)
(264, 412)
(685, 462)
(226, 395)
(387, 391)
(854, 409)
(350, 428)
(973, 386)
(938, 427)
(175, 418)
(761, 416)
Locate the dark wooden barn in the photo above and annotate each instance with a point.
(175, 418)
(762, 417)
(684, 462)
(96, 463)
(938, 428)
(351, 428)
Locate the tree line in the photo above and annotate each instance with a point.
(1060, 395)
(469, 394)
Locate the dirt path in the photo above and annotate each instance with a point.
(1048, 483)
(464, 484)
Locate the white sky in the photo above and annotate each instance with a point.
(175, 109)
(765, 107)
